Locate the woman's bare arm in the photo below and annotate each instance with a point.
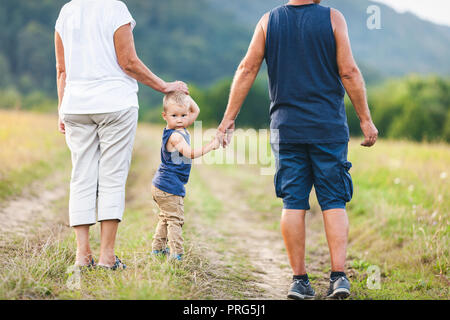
(135, 68)
(60, 75)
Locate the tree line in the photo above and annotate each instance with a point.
(412, 107)
(180, 47)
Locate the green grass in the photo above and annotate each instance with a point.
(31, 149)
(233, 272)
(44, 272)
(41, 268)
(17, 180)
(399, 217)
(399, 222)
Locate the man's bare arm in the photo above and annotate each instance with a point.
(352, 78)
(245, 76)
(135, 68)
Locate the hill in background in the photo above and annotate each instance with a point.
(203, 41)
(405, 44)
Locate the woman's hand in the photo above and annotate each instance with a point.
(61, 126)
(176, 86)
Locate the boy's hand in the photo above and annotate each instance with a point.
(215, 143)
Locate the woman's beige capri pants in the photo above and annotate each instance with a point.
(101, 147)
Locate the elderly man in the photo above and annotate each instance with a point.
(310, 62)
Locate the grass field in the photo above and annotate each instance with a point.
(30, 148)
(399, 225)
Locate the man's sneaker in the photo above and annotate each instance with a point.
(339, 288)
(301, 290)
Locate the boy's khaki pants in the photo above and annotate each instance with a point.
(171, 220)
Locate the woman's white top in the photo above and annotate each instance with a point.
(95, 83)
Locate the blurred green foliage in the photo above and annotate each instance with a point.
(413, 107)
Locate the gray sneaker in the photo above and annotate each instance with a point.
(339, 288)
(301, 290)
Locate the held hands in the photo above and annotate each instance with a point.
(176, 86)
(215, 143)
(370, 133)
(225, 132)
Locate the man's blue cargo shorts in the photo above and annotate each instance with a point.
(300, 166)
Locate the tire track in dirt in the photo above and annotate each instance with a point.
(34, 211)
(265, 248)
(40, 209)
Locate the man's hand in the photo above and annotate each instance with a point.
(215, 144)
(370, 133)
(176, 86)
(225, 132)
(61, 126)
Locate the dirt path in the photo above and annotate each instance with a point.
(264, 247)
(42, 208)
(34, 210)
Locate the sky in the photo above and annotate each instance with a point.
(437, 11)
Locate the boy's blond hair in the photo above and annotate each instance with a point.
(178, 98)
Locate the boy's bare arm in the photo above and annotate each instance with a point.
(194, 111)
(178, 142)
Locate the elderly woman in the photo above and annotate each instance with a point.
(97, 69)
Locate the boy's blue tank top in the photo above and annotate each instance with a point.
(306, 92)
(173, 172)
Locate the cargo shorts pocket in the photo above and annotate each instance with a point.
(279, 180)
(277, 184)
(347, 180)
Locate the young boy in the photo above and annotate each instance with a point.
(168, 191)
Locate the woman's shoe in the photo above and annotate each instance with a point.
(118, 265)
(89, 266)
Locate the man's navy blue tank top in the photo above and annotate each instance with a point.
(173, 172)
(306, 92)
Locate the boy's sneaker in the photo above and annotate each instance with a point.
(163, 252)
(301, 290)
(339, 288)
(178, 257)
